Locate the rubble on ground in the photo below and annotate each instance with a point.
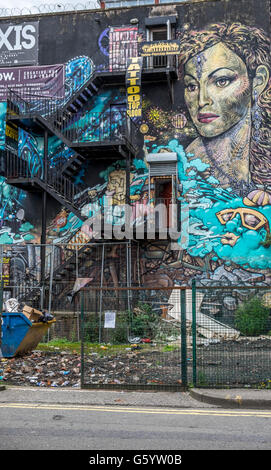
(62, 369)
(43, 369)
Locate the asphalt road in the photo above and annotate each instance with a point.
(32, 426)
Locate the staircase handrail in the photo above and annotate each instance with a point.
(66, 122)
(11, 106)
(48, 106)
(18, 167)
(76, 194)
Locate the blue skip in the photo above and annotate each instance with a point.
(20, 335)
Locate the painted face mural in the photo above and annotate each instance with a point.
(219, 96)
(227, 92)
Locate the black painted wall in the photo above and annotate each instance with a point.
(66, 35)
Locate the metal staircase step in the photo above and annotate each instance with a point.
(79, 102)
(83, 96)
(93, 86)
(89, 92)
(74, 108)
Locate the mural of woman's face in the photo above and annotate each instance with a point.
(217, 90)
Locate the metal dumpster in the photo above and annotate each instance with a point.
(20, 335)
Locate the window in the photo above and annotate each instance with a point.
(160, 29)
(158, 35)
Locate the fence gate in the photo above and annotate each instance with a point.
(133, 338)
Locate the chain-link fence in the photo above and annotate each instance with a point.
(232, 335)
(205, 335)
(138, 343)
(214, 336)
(66, 268)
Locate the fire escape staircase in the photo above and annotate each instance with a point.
(109, 135)
(69, 195)
(90, 135)
(83, 94)
(20, 174)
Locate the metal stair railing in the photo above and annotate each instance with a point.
(47, 106)
(82, 94)
(75, 195)
(18, 167)
(94, 127)
(77, 127)
(36, 104)
(63, 98)
(16, 105)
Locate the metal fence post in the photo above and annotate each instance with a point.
(1, 311)
(183, 338)
(82, 339)
(101, 297)
(52, 257)
(194, 332)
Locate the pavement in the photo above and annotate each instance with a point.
(245, 398)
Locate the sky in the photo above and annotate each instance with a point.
(20, 4)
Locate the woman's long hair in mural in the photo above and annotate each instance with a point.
(252, 45)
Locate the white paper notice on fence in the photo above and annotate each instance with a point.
(109, 319)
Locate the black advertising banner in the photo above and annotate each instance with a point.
(45, 81)
(158, 48)
(133, 86)
(19, 43)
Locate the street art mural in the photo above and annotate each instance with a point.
(225, 169)
(227, 93)
(219, 128)
(14, 227)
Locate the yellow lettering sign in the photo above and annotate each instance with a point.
(132, 98)
(133, 89)
(133, 67)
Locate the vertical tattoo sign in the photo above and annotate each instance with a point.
(133, 86)
(12, 137)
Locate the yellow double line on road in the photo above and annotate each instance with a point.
(130, 409)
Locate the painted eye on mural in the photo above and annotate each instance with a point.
(191, 87)
(223, 82)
